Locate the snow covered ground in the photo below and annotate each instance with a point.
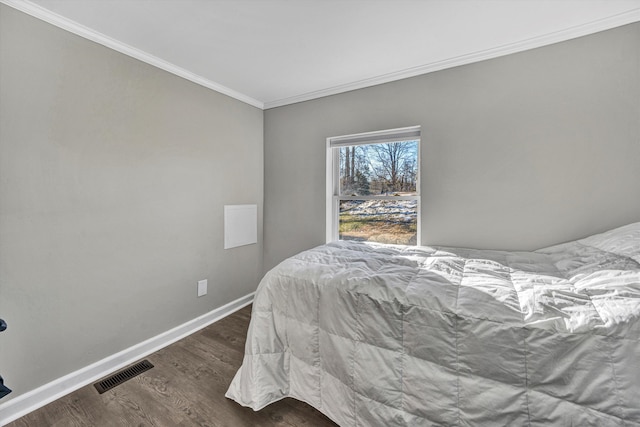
(396, 211)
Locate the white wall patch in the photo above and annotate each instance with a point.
(240, 225)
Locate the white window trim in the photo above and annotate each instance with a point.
(332, 165)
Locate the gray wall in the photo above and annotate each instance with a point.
(113, 177)
(518, 152)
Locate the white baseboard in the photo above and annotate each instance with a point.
(34, 399)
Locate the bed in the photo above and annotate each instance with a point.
(381, 335)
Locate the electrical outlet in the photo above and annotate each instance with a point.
(202, 287)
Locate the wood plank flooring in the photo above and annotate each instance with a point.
(185, 388)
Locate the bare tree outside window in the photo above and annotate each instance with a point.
(395, 165)
(390, 168)
(385, 176)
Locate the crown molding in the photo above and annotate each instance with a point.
(520, 46)
(41, 13)
(46, 15)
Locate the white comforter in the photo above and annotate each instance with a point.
(380, 335)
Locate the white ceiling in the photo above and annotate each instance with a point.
(276, 52)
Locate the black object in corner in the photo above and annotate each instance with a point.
(4, 390)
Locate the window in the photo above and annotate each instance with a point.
(373, 187)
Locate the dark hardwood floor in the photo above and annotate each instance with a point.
(185, 388)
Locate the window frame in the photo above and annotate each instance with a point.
(333, 197)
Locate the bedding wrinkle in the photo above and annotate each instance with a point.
(524, 345)
(526, 375)
(457, 337)
(615, 380)
(383, 335)
(403, 356)
(318, 353)
(353, 368)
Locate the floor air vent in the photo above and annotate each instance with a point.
(122, 376)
